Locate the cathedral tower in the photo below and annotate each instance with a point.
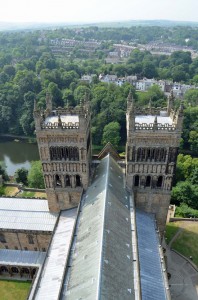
(64, 143)
(153, 137)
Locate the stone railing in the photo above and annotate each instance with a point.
(149, 111)
(152, 126)
(64, 125)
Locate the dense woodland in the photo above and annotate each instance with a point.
(28, 69)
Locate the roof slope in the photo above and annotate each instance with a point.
(101, 265)
(49, 282)
(21, 257)
(151, 274)
(26, 214)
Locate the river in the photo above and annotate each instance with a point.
(16, 155)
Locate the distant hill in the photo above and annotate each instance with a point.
(9, 26)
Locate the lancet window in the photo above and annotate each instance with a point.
(64, 153)
(151, 154)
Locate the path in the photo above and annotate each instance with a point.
(175, 237)
(184, 278)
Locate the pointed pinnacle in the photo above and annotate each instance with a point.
(59, 121)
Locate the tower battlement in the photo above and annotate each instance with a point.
(153, 119)
(64, 142)
(153, 137)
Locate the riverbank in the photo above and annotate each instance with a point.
(28, 139)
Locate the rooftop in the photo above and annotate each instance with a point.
(52, 273)
(101, 264)
(64, 119)
(151, 273)
(26, 214)
(150, 120)
(21, 257)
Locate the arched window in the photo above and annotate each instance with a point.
(51, 153)
(70, 153)
(152, 154)
(14, 270)
(2, 238)
(159, 181)
(25, 271)
(67, 180)
(78, 180)
(139, 154)
(30, 239)
(76, 153)
(148, 181)
(33, 272)
(4, 269)
(58, 181)
(148, 153)
(137, 180)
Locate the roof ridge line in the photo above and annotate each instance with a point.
(101, 253)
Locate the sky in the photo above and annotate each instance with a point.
(87, 11)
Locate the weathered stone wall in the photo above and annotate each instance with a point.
(151, 153)
(154, 202)
(65, 153)
(25, 240)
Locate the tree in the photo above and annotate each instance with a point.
(35, 176)
(185, 192)
(21, 176)
(111, 133)
(191, 97)
(3, 172)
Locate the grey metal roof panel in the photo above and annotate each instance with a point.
(26, 214)
(52, 273)
(149, 119)
(151, 276)
(23, 204)
(27, 220)
(21, 257)
(101, 267)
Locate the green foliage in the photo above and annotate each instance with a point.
(185, 192)
(186, 189)
(111, 133)
(186, 166)
(21, 176)
(190, 129)
(35, 176)
(191, 97)
(3, 171)
(184, 211)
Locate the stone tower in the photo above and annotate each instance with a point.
(153, 137)
(64, 142)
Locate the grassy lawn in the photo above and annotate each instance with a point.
(171, 229)
(9, 190)
(32, 195)
(14, 290)
(187, 241)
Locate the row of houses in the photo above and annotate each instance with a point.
(91, 44)
(144, 84)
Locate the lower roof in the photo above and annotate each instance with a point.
(26, 214)
(21, 257)
(151, 273)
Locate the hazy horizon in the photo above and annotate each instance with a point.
(96, 11)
